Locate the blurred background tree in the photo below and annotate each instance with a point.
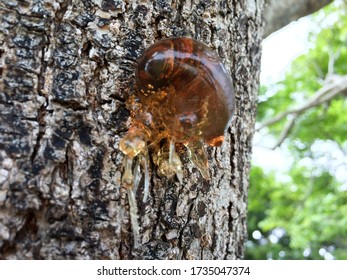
(302, 213)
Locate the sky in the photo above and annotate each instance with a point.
(279, 50)
(282, 47)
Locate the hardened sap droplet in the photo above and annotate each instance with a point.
(184, 95)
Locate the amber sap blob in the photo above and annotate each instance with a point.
(183, 95)
(189, 83)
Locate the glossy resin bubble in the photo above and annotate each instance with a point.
(183, 95)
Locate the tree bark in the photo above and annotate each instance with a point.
(67, 70)
(278, 14)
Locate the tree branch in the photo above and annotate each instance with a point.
(334, 86)
(285, 131)
(280, 13)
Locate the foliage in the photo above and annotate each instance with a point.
(305, 216)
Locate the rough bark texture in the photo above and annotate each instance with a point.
(67, 70)
(279, 13)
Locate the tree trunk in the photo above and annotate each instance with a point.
(67, 70)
